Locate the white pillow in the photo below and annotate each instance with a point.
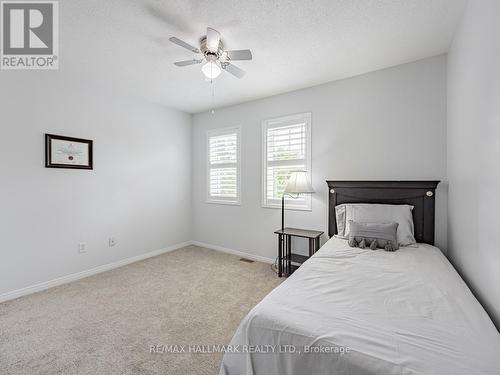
(377, 213)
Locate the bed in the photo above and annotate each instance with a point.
(357, 311)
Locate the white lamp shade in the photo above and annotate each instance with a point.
(211, 70)
(298, 183)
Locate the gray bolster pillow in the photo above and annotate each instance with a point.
(374, 235)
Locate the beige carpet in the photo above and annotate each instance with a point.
(106, 324)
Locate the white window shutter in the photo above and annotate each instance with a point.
(223, 170)
(286, 148)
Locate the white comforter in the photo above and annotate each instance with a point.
(376, 312)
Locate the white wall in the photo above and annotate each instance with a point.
(139, 191)
(389, 124)
(474, 152)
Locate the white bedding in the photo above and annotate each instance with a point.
(406, 312)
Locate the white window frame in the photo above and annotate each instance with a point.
(217, 132)
(283, 121)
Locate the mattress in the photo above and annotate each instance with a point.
(357, 311)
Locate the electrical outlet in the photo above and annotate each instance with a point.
(82, 247)
(112, 241)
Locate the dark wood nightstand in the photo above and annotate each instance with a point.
(288, 262)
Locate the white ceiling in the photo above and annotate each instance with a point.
(123, 44)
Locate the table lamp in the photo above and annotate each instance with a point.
(298, 183)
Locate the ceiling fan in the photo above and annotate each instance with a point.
(214, 58)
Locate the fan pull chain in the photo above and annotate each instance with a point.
(212, 111)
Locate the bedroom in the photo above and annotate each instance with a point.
(144, 258)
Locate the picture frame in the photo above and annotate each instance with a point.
(68, 152)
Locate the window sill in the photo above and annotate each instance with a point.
(228, 203)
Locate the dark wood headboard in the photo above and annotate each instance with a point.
(419, 194)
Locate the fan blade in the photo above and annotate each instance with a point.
(234, 70)
(213, 39)
(187, 62)
(184, 44)
(242, 54)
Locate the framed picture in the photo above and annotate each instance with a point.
(67, 152)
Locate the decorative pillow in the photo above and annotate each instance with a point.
(377, 213)
(341, 221)
(373, 235)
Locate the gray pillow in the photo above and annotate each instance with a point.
(377, 213)
(381, 235)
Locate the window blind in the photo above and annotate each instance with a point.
(223, 165)
(287, 149)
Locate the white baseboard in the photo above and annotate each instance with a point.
(257, 258)
(93, 271)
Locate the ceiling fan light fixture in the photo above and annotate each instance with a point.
(214, 58)
(211, 70)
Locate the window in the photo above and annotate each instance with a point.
(286, 148)
(223, 170)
